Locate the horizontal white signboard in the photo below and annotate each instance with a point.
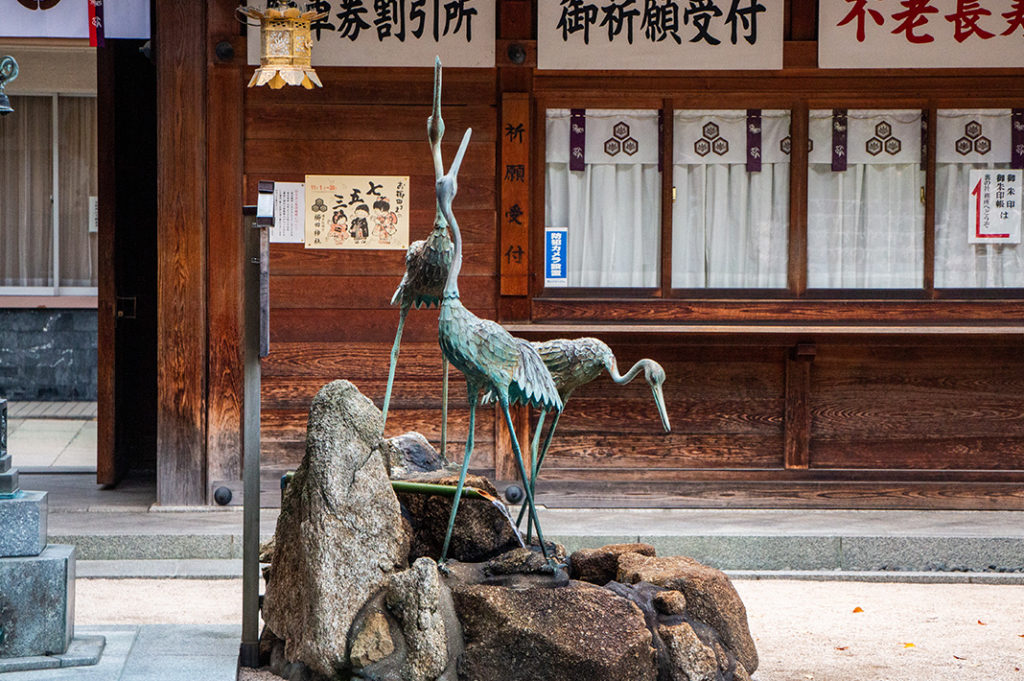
(920, 34)
(659, 34)
(398, 33)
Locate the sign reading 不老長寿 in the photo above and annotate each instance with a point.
(357, 212)
(659, 34)
(994, 215)
(556, 242)
(920, 33)
(398, 33)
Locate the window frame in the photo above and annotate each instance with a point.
(796, 302)
(33, 296)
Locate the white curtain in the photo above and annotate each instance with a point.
(730, 226)
(26, 180)
(959, 264)
(865, 225)
(78, 181)
(611, 208)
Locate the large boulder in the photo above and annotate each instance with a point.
(481, 532)
(578, 632)
(710, 598)
(339, 535)
(600, 566)
(411, 453)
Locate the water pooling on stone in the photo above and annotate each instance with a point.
(504, 511)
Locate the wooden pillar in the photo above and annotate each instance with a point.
(505, 467)
(106, 465)
(225, 97)
(180, 48)
(798, 410)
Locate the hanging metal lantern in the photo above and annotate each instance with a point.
(285, 45)
(8, 72)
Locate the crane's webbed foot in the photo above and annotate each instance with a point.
(442, 567)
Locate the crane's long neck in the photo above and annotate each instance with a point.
(613, 370)
(451, 286)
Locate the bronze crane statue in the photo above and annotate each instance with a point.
(489, 356)
(426, 266)
(574, 363)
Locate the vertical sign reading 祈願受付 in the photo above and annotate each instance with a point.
(659, 34)
(515, 193)
(398, 33)
(920, 33)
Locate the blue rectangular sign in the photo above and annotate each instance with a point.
(556, 242)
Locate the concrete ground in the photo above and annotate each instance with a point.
(804, 631)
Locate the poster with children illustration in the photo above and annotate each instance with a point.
(357, 212)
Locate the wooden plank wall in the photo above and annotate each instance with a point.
(330, 310)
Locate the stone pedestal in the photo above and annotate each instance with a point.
(37, 581)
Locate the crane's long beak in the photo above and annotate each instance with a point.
(453, 169)
(435, 124)
(659, 399)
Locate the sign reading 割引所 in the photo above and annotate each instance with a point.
(921, 34)
(659, 34)
(398, 33)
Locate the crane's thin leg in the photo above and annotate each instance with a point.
(394, 363)
(538, 461)
(533, 459)
(526, 482)
(444, 408)
(473, 394)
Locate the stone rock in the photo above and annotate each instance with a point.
(339, 535)
(577, 633)
(691, 660)
(481, 530)
(412, 453)
(373, 643)
(600, 566)
(710, 597)
(670, 603)
(415, 597)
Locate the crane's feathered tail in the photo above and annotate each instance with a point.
(531, 381)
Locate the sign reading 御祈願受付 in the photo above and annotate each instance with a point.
(556, 242)
(404, 33)
(923, 34)
(994, 215)
(660, 34)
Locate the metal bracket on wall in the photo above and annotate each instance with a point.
(126, 307)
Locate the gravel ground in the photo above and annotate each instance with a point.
(805, 631)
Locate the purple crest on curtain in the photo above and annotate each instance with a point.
(98, 22)
(838, 140)
(577, 138)
(753, 140)
(1017, 139)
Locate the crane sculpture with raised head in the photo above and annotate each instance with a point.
(427, 263)
(489, 356)
(573, 363)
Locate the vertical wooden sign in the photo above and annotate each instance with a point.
(515, 193)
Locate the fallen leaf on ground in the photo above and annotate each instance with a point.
(909, 645)
(981, 623)
(858, 609)
(957, 657)
(842, 647)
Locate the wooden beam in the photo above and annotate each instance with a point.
(797, 436)
(181, 242)
(225, 95)
(106, 466)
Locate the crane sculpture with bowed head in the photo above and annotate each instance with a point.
(426, 266)
(489, 356)
(573, 363)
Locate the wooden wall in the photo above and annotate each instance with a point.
(793, 410)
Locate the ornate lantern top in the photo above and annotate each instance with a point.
(285, 45)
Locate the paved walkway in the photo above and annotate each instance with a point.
(52, 435)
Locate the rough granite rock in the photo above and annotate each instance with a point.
(600, 566)
(373, 642)
(411, 453)
(710, 597)
(415, 598)
(576, 633)
(481, 530)
(339, 535)
(691, 660)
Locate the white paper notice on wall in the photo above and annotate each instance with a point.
(994, 215)
(289, 213)
(94, 214)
